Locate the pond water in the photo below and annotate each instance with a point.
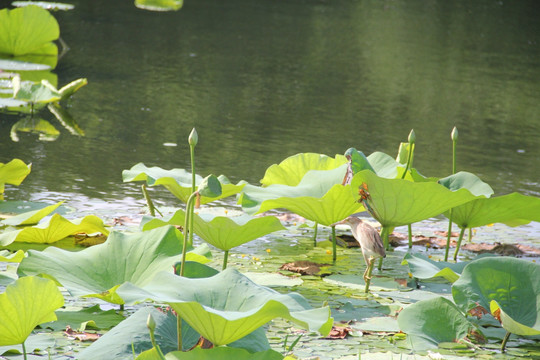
(262, 80)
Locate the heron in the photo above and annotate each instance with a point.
(370, 241)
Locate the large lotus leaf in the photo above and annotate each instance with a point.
(91, 317)
(227, 306)
(159, 5)
(357, 160)
(397, 202)
(223, 353)
(291, 170)
(31, 217)
(428, 323)
(97, 271)
(6, 256)
(177, 181)
(338, 203)
(384, 165)
(469, 181)
(514, 285)
(28, 302)
(223, 232)
(423, 267)
(56, 228)
(512, 209)
(132, 335)
(13, 172)
(28, 30)
(315, 184)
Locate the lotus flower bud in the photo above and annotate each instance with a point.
(193, 138)
(454, 134)
(151, 323)
(412, 137)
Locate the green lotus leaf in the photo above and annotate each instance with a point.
(177, 181)
(27, 302)
(223, 353)
(423, 267)
(513, 284)
(210, 187)
(428, 323)
(383, 165)
(37, 93)
(46, 131)
(338, 203)
(469, 181)
(31, 217)
(13, 172)
(17, 65)
(33, 344)
(55, 229)
(45, 5)
(6, 256)
(397, 202)
(159, 5)
(132, 335)
(223, 232)
(316, 183)
(227, 306)
(291, 170)
(358, 160)
(91, 317)
(28, 30)
(69, 89)
(512, 209)
(99, 270)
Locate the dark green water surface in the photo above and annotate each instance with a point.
(262, 80)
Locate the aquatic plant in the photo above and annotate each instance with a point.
(13, 173)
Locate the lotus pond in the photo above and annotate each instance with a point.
(118, 249)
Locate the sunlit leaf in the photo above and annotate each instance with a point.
(227, 306)
(13, 173)
(28, 30)
(397, 202)
(37, 93)
(428, 323)
(16, 257)
(28, 302)
(509, 284)
(177, 181)
(159, 5)
(291, 170)
(512, 209)
(469, 181)
(31, 217)
(55, 229)
(223, 232)
(69, 89)
(99, 270)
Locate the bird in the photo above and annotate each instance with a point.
(370, 241)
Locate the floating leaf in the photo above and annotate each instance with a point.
(227, 306)
(31, 217)
(291, 170)
(502, 283)
(428, 323)
(177, 181)
(45, 5)
(159, 5)
(28, 30)
(99, 270)
(28, 302)
(55, 229)
(91, 317)
(223, 232)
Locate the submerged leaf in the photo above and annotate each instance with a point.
(227, 306)
(28, 302)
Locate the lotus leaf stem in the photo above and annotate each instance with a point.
(193, 185)
(24, 351)
(462, 232)
(189, 211)
(225, 258)
(453, 136)
(409, 227)
(334, 247)
(315, 230)
(447, 249)
(385, 232)
(470, 235)
(505, 340)
(155, 344)
(149, 201)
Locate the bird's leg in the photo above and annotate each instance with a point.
(367, 274)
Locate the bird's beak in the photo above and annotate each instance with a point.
(342, 222)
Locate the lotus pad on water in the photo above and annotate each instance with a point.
(13, 172)
(508, 287)
(177, 181)
(227, 306)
